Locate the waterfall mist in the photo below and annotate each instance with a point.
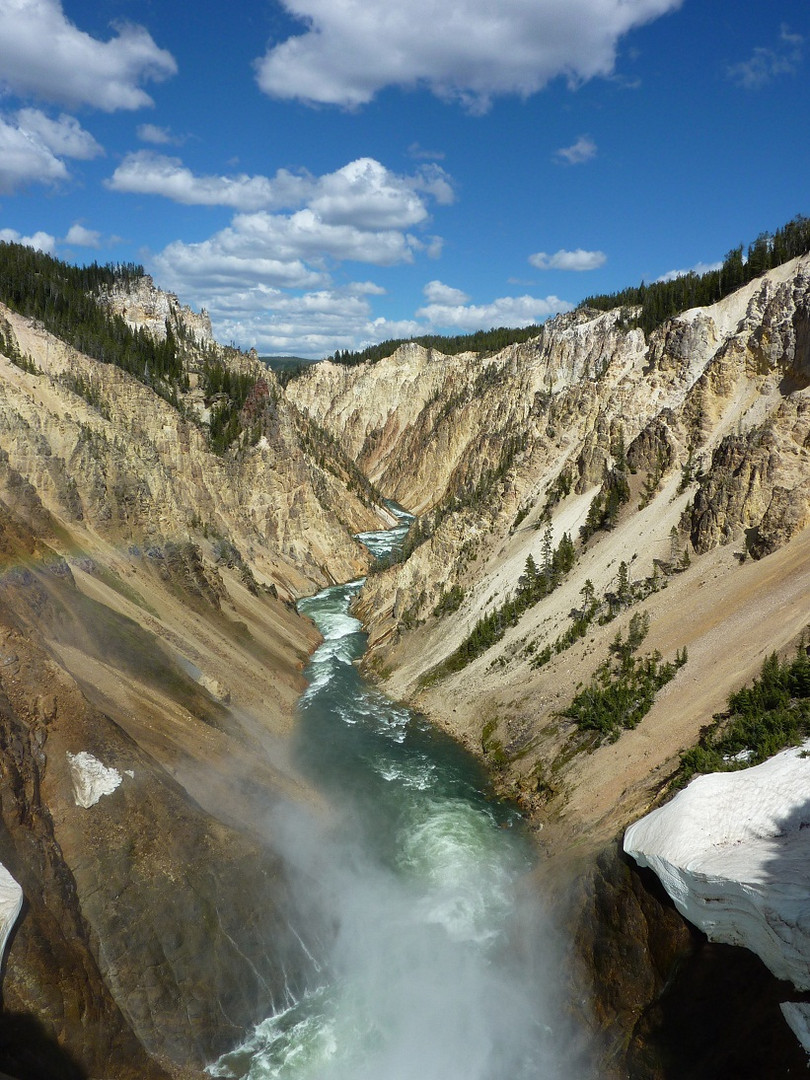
(429, 958)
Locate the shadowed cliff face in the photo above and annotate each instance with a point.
(51, 971)
(667, 1003)
(147, 620)
(152, 931)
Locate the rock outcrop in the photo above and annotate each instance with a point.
(150, 659)
(731, 850)
(143, 305)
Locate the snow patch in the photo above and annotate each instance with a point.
(91, 779)
(797, 1014)
(11, 898)
(733, 852)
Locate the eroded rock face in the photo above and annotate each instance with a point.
(143, 305)
(154, 932)
(627, 943)
(51, 973)
(664, 1002)
(130, 466)
(716, 391)
(150, 659)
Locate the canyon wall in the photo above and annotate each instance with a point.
(504, 455)
(678, 466)
(148, 634)
(151, 655)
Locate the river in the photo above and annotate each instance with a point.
(429, 957)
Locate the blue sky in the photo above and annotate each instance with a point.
(324, 174)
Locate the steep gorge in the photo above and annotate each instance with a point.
(710, 418)
(147, 618)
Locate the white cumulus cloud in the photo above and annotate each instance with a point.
(277, 250)
(568, 260)
(44, 55)
(24, 159)
(80, 236)
(467, 51)
(145, 172)
(65, 136)
(160, 136)
(366, 194)
(32, 147)
(436, 292)
(698, 268)
(505, 311)
(362, 212)
(41, 241)
(311, 324)
(362, 193)
(268, 278)
(229, 262)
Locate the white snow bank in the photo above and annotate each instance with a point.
(91, 779)
(11, 898)
(797, 1014)
(733, 852)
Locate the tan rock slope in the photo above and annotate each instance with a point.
(148, 633)
(710, 420)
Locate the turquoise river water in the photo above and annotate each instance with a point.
(428, 956)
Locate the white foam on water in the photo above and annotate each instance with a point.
(418, 774)
(453, 852)
(336, 625)
(296, 1041)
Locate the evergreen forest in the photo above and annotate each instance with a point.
(759, 721)
(661, 300)
(64, 299)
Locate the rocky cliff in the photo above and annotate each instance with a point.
(143, 305)
(677, 465)
(150, 658)
(503, 455)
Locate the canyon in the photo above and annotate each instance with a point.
(148, 629)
